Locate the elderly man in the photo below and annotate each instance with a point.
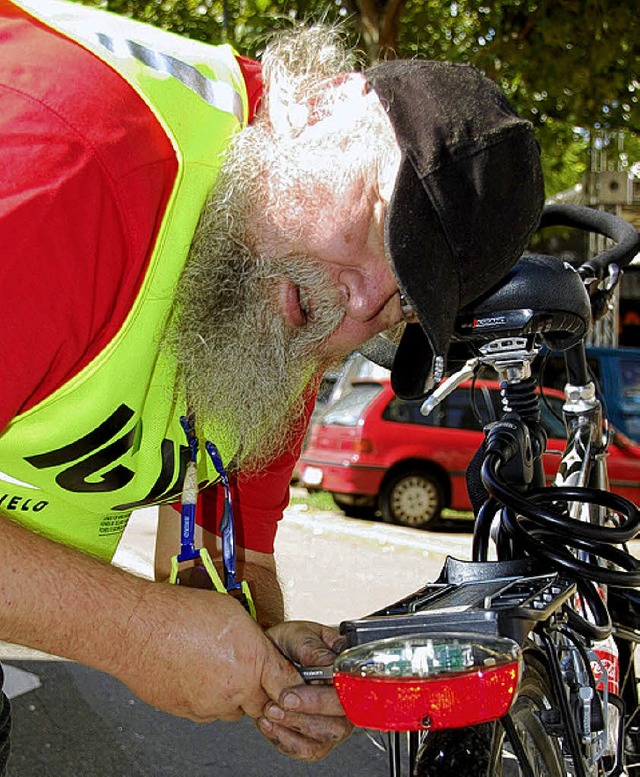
(168, 254)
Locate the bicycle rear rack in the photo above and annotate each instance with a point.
(498, 598)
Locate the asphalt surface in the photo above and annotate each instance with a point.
(82, 722)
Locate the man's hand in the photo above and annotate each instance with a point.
(204, 657)
(307, 721)
(192, 653)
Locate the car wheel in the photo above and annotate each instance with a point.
(412, 498)
(365, 511)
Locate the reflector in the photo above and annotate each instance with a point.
(426, 682)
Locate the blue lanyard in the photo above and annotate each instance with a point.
(188, 550)
(226, 527)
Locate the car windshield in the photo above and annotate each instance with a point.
(347, 410)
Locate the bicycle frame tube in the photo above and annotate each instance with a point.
(559, 685)
(402, 749)
(583, 461)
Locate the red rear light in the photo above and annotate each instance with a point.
(357, 445)
(428, 682)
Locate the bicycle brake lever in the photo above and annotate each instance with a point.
(450, 384)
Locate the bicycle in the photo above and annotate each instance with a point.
(540, 627)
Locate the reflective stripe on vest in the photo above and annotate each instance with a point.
(74, 466)
(218, 94)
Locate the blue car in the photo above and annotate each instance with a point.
(617, 372)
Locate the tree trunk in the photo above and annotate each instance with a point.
(379, 21)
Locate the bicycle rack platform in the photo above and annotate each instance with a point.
(504, 598)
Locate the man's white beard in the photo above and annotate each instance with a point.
(243, 367)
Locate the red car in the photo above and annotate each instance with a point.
(373, 451)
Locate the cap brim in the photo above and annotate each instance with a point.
(418, 249)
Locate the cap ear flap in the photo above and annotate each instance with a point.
(416, 368)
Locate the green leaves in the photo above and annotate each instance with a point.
(563, 63)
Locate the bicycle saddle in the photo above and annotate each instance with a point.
(539, 295)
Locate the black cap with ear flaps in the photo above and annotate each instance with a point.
(467, 198)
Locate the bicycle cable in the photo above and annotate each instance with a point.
(537, 526)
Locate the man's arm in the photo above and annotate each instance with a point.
(141, 632)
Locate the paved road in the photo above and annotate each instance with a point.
(70, 720)
(81, 722)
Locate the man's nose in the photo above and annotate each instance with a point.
(366, 295)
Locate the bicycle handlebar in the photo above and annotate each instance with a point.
(625, 235)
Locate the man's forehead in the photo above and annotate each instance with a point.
(359, 98)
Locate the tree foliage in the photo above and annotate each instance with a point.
(568, 65)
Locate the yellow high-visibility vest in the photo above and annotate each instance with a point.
(74, 466)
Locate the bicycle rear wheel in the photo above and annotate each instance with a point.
(485, 750)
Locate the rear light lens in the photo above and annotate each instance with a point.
(423, 682)
(357, 445)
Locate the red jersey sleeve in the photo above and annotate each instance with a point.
(252, 74)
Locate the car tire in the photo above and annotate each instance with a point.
(364, 511)
(413, 498)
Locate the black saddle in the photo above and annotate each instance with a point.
(539, 295)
